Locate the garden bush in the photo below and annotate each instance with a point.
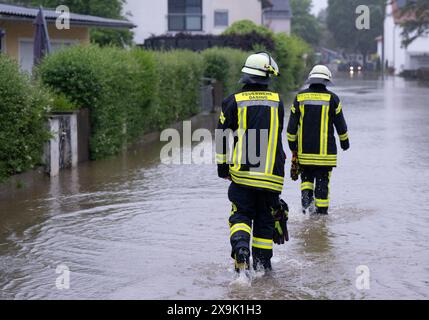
(224, 65)
(23, 108)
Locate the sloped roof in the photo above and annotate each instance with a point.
(281, 10)
(26, 13)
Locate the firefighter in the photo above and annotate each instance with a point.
(311, 136)
(250, 154)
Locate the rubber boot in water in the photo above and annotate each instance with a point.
(242, 260)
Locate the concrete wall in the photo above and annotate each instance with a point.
(16, 30)
(151, 18)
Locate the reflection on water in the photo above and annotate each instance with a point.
(130, 227)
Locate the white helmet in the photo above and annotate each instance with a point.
(261, 64)
(320, 72)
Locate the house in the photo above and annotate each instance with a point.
(397, 57)
(191, 16)
(17, 31)
(278, 16)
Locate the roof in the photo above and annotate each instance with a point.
(26, 13)
(281, 10)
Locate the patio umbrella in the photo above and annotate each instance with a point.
(42, 43)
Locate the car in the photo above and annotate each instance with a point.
(350, 67)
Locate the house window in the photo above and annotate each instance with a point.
(221, 18)
(185, 15)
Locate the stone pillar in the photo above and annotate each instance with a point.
(53, 149)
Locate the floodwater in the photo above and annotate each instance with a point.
(132, 228)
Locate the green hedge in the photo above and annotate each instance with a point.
(224, 65)
(289, 53)
(23, 110)
(128, 92)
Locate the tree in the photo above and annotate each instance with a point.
(416, 17)
(103, 8)
(341, 22)
(304, 24)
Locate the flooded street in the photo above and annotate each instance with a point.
(132, 228)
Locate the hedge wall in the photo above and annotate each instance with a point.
(23, 110)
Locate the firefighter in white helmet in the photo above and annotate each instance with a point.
(256, 183)
(315, 115)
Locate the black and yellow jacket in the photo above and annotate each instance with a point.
(252, 120)
(314, 114)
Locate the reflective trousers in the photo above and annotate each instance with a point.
(252, 208)
(315, 188)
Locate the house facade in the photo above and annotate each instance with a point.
(278, 17)
(397, 57)
(196, 16)
(17, 31)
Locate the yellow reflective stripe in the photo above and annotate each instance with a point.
(325, 151)
(276, 139)
(242, 126)
(270, 142)
(257, 184)
(317, 156)
(307, 186)
(240, 227)
(222, 118)
(292, 137)
(262, 243)
(257, 175)
(221, 158)
(301, 124)
(332, 163)
(314, 97)
(322, 203)
(324, 126)
(293, 109)
(257, 95)
(344, 137)
(339, 109)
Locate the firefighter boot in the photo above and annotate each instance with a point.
(242, 260)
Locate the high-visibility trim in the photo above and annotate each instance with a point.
(267, 103)
(307, 186)
(292, 137)
(257, 183)
(301, 124)
(310, 156)
(272, 142)
(322, 203)
(260, 243)
(293, 109)
(242, 127)
(257, 176)
(326, 163)
(344, 137)
(324, 125)
(323, 97)
(221, 158)
(339, 109)
(222, 118)
(240, 227)
(257, 95)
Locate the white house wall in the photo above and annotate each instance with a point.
(151, 16)
(399, 57)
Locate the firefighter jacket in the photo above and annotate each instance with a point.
(249, 148)
(314, 114)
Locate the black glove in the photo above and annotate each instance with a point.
(223, 171)
(345, 145)
(281, 217)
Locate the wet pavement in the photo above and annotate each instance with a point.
(130, 227)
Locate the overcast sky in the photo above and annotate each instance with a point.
(319, 5)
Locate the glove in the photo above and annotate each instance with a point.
(295, 170)
(281, 217)
(345, 145)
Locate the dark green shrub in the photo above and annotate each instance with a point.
(23, 109)
(102, 79)
(224, 65)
